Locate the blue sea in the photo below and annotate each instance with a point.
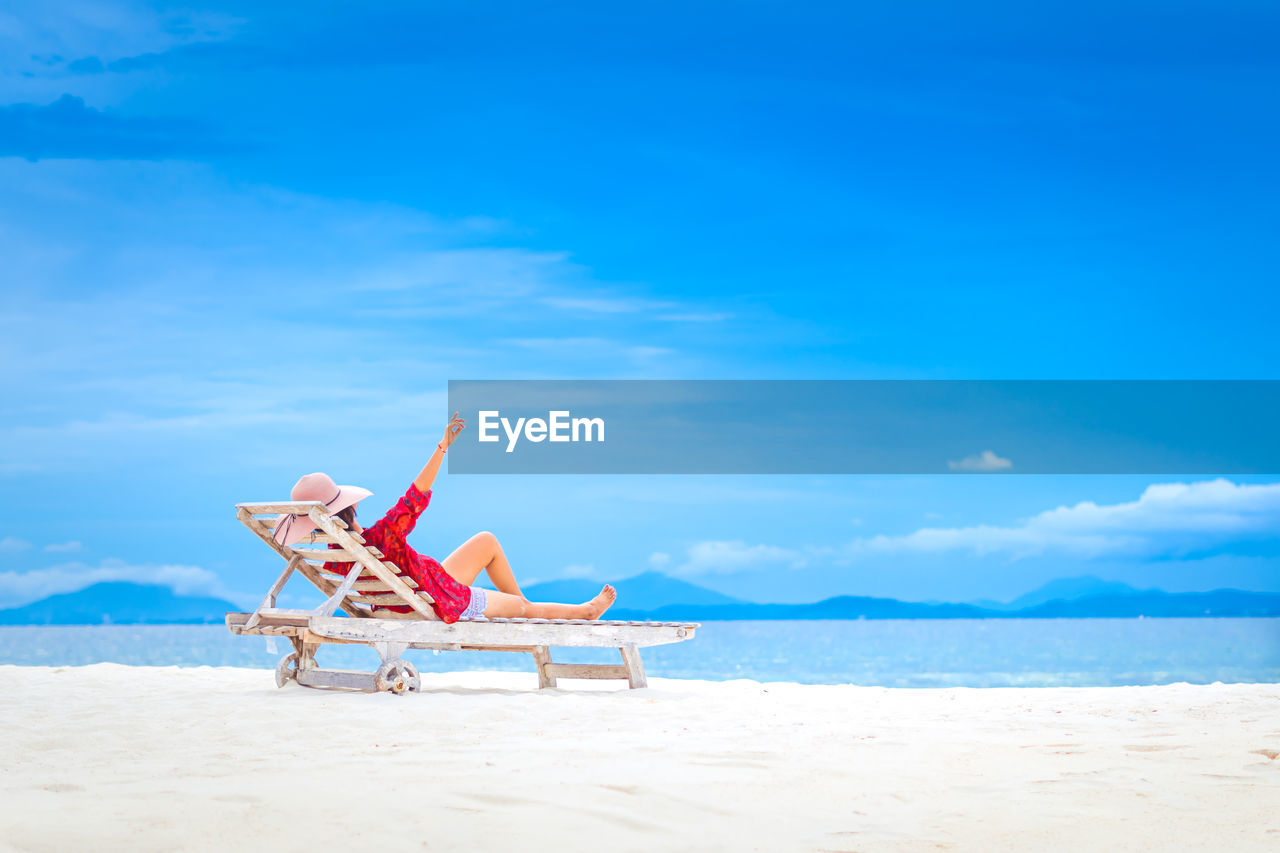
(888, 653)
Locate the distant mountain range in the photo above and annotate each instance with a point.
(656, 596)
(1066, 589)
(1153, 603)
(119, 602)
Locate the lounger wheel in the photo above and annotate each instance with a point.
(397, 676)
(287, 669)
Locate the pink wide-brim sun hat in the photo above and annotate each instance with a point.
(315, 487)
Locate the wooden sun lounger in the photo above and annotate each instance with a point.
(364, 596)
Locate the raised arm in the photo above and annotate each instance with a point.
(427, 476)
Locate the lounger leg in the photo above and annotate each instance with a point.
(307, 658)
(542, 657)
(635, 669)
(390, 651)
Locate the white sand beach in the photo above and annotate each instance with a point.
(110, 757)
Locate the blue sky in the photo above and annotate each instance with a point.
(242, 244)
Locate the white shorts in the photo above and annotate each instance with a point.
(479, 600)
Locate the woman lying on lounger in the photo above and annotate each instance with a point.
(448, 583)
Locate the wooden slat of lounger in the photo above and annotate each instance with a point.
(344, 591)
(238, 620)
(269, 513)
(523, 620)
(261, 630)
(367, 585)
(325, 555)
(378, 598)
(384, 613)
(318, 538)
(377, 605)
(387, 572)
(501, 632)
(320, 556)
(279, 507)
(344, 678)
(371, 583)
(265, 527)
(307, 570)
(297, 626)
(315, 558)
(585, 670)
(332, 555)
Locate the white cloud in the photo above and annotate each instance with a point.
(984, 461)
(71, 30)
(578, 571)
(559, 343)
(63, 547)
(10, 545)
(707, 317)
(18, 588)
(646, 353)
(585, 347)
(1167, 519)
(721, 557)
(658, 559)
(604, 304)
(461, 277)
(388, 267)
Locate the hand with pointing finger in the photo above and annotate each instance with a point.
(455, 426)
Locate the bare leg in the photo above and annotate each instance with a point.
(482, 552)
(502, 605)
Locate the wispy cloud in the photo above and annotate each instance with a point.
(600, 346)
(559, 343)
(12, 545)
(729, 557)
(19, 588)
(647, 353)
(981, 462)
(468, 275)
(64, 547)
(695, 317)
(256, 414)
(69, 128)
(409, 309)
(1167, 519)
(604, 304)
(65, 36)
(197, 56)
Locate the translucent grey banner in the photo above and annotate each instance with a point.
(865, 427)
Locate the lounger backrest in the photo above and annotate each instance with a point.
(378, 582)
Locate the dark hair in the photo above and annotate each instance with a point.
(348, 515)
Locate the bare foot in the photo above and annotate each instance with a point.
(602, 602)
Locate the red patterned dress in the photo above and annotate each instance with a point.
(388, 535)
